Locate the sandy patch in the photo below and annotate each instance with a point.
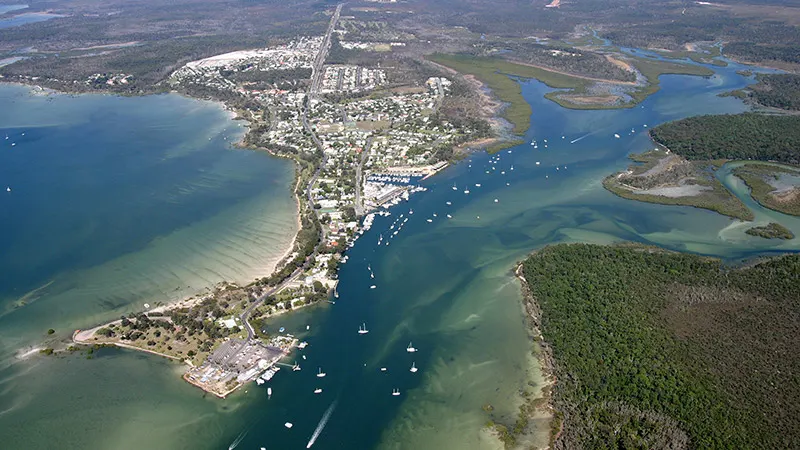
(624, 65)
(791, 195)
(592, 99)
(689, 190)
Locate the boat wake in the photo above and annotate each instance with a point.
(239, 438)
(322, 423)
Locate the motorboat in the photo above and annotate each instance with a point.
(318, 390)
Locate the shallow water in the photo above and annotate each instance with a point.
(446, 286)
(116, 202)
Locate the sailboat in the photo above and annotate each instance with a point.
(320, 373)
(454, 187)
(362, 329)
(295, 367)
(413, 368)
(395, 392)
(410, 348)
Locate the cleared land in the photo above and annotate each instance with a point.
(772, 186)
(655, 349)
(665, 178)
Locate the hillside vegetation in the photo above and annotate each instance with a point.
(655, 349)
(739, 136)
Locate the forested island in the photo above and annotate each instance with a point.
(735, 136)
(780, 91)
(656, 349)
(682, 171)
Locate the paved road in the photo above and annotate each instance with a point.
(319, 61)
(314, 87)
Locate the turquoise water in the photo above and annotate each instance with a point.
(116, 202)
(26, 18)
(446, 286)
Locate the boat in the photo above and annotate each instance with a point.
(320, 373)
(538, 162)
(395, 392)
(308, 327)
(430, 220)
(336, 293)
(454, 187)
(318, 390)
(448, 203)
(496, 200)
(512, 168)
(295, 367)
(616, 135)
(373, 286)
(8, 189)
(466, 191)
(281, 329)
(383, 369)
(304, 356)
(259, 381)
(302, 345)
(413, 368)
(269, 392)
(288, 425)
(362, 329)
(410, 348)
(449, 216)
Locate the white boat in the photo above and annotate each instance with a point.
(373, 286)
(449, 216)
(295, 367)
(512, 168)
(302, 345)
(454, 187)
(383, 369)
(8, 189)
(259, 381)
(477, 185)
(448, 203)
(269, 392)
(616, 135)
(538, 162)
(288, 425)
(320, 373)
(413, 368)
(496, 200)
(466, 191)
(304, 356)
(395, 392)
(362, 329)
(410, 348)
(318, 390)
(544, 140)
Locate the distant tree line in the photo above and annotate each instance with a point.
(736, 136)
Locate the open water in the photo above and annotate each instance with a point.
(446, 286)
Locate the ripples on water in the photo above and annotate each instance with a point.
(445, 285)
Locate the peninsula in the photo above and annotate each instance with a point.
(360, 137)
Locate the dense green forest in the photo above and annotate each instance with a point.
(739, 136)
(777, 91)
(656, 349)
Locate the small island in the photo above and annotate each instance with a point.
(682, 170)
(660, 176)
(771, 231)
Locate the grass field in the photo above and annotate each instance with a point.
(498, 74)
